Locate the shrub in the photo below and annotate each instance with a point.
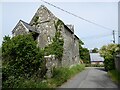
(115, 75)
(61, 75)
(109, 52)
(84, 53)
(109, 62)
(21, 58)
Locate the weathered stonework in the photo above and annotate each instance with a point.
(45, 29)
(19, 29)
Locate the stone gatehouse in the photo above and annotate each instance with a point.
(45, 30)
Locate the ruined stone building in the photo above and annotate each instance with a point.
(45, 31)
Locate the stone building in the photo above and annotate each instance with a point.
(45, 31)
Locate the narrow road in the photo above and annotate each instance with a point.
(90, 78)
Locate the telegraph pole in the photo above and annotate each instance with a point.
(113, 36)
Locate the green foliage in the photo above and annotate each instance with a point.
(56, 47)
(21, 82)
(36, 20)
(109, 52)
(115, 75)
(61, 75)
(21, 58)
(84, 53)
(58, 24)
(95, 50)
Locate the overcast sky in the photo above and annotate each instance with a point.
(103, 13)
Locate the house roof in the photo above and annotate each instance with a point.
(96, 57)
(29, 27)
(68, 29)
(25, 25)
(52, 16)
(76, 36)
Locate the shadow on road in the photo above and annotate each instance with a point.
(101, 68)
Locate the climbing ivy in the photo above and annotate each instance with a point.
(36, 20)
(56, 47)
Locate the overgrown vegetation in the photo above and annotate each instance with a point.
(84, 53)
(20, 59)
(61, 75)
(109, 52)
(56, 47)
(24, 66)
(115, 75)
(35, 21)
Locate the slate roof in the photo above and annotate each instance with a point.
(29, 27)
(68, 29)
(96, 57)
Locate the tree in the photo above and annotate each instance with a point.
(109, 52)
(84, 53)
(95, 50)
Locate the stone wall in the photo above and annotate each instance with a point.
(46, 30)
(51, 63)
(68, 47)
(117, 62)
(19, 29)
(45, 26)
(76, 51)
(71, 48)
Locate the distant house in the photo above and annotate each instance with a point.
(96, 58)
(45, 30)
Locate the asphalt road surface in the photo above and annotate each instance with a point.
(90, 78)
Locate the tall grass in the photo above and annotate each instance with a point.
(115, 75)
(61, 75)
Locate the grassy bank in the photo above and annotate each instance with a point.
(60, 75)
(115, 75)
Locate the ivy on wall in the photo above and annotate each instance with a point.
(36, 20)
(56, 47)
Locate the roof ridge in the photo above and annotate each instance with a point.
(24, 22)
(28, 26)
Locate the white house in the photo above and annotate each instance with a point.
(96, 58)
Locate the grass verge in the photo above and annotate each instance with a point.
(115, 76)
(60, 75)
